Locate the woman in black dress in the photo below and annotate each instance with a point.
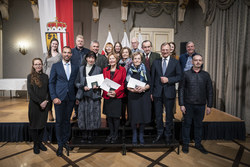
(88, 98)
(139, 102)
(39, 104)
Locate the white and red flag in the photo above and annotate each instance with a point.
(109, 39)
(125, 41)
(56, 21)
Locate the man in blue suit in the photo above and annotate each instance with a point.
(62, 92)
(165, 72)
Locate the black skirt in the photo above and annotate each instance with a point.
(112, 107)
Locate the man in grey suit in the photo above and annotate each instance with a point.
(101, 60)
(148, 56)
(165, 72)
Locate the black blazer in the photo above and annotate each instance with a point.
(173, 73)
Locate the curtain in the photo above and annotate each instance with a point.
(229, 55)
(153, 10)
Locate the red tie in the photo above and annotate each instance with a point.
(147, 63)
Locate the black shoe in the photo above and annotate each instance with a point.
(114, 139)
(59, 151)
(108, 139)
(157, 139)
(67, 147)
(42, 147)
(36, 149)
(185, 148)
(201, 149)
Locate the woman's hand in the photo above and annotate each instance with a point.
(86, 88)
(44, 104)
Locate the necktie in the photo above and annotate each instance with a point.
(67, 70)
(147, 63)
(164, 66)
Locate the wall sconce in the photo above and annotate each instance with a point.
(95, 10)
(23, 47)
(124, 11)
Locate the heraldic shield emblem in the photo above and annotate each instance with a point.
(57, 30)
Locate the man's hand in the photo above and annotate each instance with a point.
(164, 80)
(183, 109)
(208, 111)
(151, 96)
(57, 101)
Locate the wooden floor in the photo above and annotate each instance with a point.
(221, 153)
(16, 110)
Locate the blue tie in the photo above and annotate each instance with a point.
(67, 71)
(164, 66)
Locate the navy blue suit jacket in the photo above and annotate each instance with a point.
(59, 85)
(173, 73)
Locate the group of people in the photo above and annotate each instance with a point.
(61, 79)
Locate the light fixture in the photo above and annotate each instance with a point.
(23, 47)
(95, 10)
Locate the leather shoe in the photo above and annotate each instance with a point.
(201, 149)
(42, 147)
(157, 139)
(36, 149)
(185, 148)
(59, 151)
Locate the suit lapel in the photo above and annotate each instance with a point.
(169, 67)
(72, 70)
(63, 70)
(160, 66)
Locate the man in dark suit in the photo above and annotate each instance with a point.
(79, 52)
(62, 92)
(78, 58)
(148, 56)
(165, 72)
(101, 60)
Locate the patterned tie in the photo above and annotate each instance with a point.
(67, 70)
(147, 63)
(164, 66)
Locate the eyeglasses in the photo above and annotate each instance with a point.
(37, 64)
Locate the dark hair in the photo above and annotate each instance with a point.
(196, 55)
(66, 47)
(173, 54)
(120, 46)
(34, 76)
(145, 42)
(49, 51)
(90, 54)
